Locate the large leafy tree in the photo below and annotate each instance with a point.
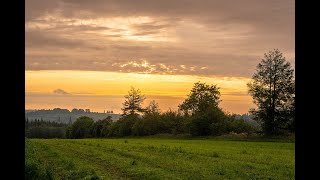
(200, 98)
(273, 89)
(132, 108)
(133, 102)
(206, 116)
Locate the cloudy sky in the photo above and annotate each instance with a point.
(79, 50)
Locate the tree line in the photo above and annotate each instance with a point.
(39, 128)
(272, 88)
(198, 115)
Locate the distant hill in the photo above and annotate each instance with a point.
(65, 116)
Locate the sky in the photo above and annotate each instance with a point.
(88, 53)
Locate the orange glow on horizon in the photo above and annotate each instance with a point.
(96, 83)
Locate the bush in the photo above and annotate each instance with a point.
(139, 129)
(240, 126)
(81, 128)
(113, 129)
(211, 122)
(100, 128)
(126, 123)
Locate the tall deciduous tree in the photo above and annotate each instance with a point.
(273, 89)
(200, 98)
(206, 116)
(133, 103)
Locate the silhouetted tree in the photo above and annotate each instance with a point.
(153, 107)
(149, 123)
(201, 97)
(272, 89)
(133, 102)
(206, 116)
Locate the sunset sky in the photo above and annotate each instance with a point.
(87, 53)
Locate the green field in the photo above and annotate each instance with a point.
(158, 158)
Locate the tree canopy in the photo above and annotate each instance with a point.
(200, 98)
(133, 102)
(81, 128)
(273, 90)
(153, 107)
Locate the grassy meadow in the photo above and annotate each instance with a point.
(158, 158)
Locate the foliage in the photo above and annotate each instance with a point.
(240, 126)
(200, 98)
(210, 122)
(149, 124)
(81, 128)
(45, 132)
(113, 130)
(101, 127)
(152, 108)
(273, 89)
(174, 123)
(205, 118)
(126, 123)
(44, 129)
(133, 102)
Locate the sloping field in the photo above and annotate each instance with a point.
(150, 158)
